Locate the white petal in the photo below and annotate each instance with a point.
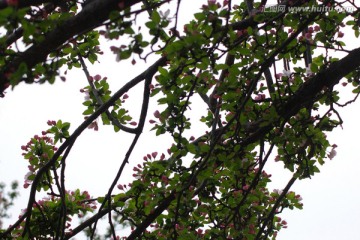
(332, 154)
(308, 71)
(287, 73)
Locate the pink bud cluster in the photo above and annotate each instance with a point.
(96, 78)
(36, 151)
(153, 155)
(77, 203)
(158, 116)
(137, 171)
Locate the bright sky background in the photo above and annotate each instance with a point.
(331, 198)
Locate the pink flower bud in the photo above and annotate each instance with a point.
(97, 77)
(133, 123)
(164, 179)
(308, 35)
(114, 49)
(211, 2)
(157, 114)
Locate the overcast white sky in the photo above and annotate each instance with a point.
(331, 198)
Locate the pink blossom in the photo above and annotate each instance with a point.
(260, 97)
(332, 154)
(157, 114)
(277, 191)
(97, 77)
(164, 179)
(114, 49)
(278, 75)
(93, 125)
(133, 123)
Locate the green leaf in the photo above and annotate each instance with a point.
(88, 111)
(155, 17)
(67, 50)
(125, 54)
(245, 51)
(314, 67)
(191, 148)
(200, 16)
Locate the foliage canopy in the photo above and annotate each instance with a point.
(264, 73)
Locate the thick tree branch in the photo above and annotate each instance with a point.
(90, 17)
(310, 90)
(327, 78)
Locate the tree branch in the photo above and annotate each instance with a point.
(90, 17)
(149, 72)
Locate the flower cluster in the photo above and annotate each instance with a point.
(76, 203)
(38, 151)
